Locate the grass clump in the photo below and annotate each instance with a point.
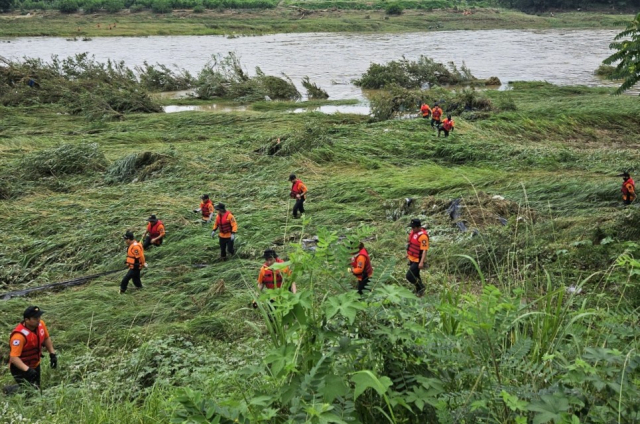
(413, 74)
(136, 166)
(605, 71)
(313, 91)
(394, 9)
(67, 159)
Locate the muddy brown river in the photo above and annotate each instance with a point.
(563, 57)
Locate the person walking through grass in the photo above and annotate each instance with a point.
(417, 247)
(361, 267)
(206, 209)
(135, 261)
(225, 222)
(628, 188)
(447, 126)
(425, 110)
(436, 115)
(154, 235)
(270, 278)
(298, 192)
(26, 343)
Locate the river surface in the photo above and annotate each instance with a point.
(565, 57)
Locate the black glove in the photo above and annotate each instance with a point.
(53, 358)
(30, 374)
(254, 304)
(195, 211)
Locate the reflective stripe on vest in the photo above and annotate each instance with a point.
(133, 262)
(414, 243)
(267, 278)
(33, 344)
(154, 231)
(223, 223)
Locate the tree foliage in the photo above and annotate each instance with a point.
(627, 44)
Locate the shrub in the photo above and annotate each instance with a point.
(313, 91)
(394, 9)
(160, 78)
(413, 74)
(198, 8)
(135, 8)
(113, 6)
(92, 6)
(161, 6)
(136, 166)
(605, 71)
(68, 6)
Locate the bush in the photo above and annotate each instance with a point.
(394, 9)
(161, 78)
(113, 6)
(198, 9)
(605, 71)
(313, 91)
(92, 6)
(66, 159)
(161, 6)
(413, 74)
(135, 8)
(68, 6)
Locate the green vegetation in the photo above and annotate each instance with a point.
(305, 18)
(530, 316)
(627, 56)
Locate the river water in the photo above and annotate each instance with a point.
(565, 57)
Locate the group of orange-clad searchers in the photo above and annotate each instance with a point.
(28, 338)
(445, 125)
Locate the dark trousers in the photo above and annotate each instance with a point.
(298, 207)
(147, 242)
(413, 276)
(226, 245)
(21, 377)
(434, 122)
(362, 284)
(446, 133)
(133, 274)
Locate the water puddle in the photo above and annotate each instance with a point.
(326, 109)
(331, 109)
(203, 108)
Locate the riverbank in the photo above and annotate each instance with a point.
(541, 205)
(288, 20)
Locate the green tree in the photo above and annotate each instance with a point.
(627, 44)
(5, 5)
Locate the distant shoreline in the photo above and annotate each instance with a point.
(290, 20)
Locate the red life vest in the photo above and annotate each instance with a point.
(447, 124)
(154, 230)
(414, 243)
(295, 189)
(437, 113)
(368, 269)
(267, 278)
(629, 193)
(33, 344)
(223, 222)
(205, 208)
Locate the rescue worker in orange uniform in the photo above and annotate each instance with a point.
(447, 125)
(135, 261)
(298, 192)
(206, 208)
(226, 223)
(425, 110)
(26, 343)
(417, 253)
(361, 267)
(273, 278)
(154, 233)
(436, 115)
(628, 188)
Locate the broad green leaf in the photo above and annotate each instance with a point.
(346, 304)
(366, 379)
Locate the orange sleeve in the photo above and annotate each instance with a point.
(161, 231)
(302, 188)
(359, 268)
(234, 224)
(424, 242)
(17, 342)
(215, 222)
(210, 208)
(46, 330)
(261, 274)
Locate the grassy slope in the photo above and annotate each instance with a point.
(289, 20)
(563, 144)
